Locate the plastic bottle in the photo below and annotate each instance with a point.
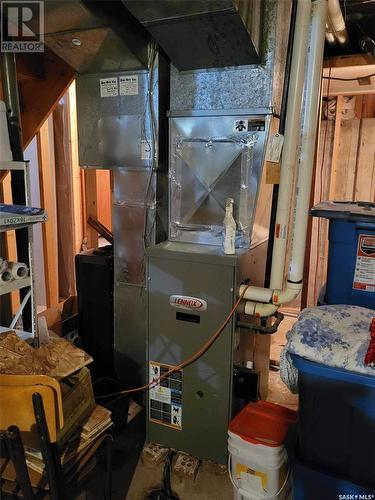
(229, 228)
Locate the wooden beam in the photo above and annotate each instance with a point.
(350, 60)
(30, 66)
(336, 145)
(104, 198)
(48, 202)
(91, 206)
(64, 204)
(365, 175)
(347, 155)
(77, 173)
(39, 97)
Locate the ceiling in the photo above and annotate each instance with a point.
(359, 16)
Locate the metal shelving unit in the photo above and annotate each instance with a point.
(29, 280)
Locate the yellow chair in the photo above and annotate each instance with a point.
(34, 405)
(16, 405)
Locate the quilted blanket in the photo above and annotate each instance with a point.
(333, 335)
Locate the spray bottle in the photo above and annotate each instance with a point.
(229, 228)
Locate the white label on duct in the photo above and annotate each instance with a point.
(129, 85)
(364, 274)
(274, 147)
(109, 87)
(187, 303)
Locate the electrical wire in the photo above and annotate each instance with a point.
(187, 361)
(347, 79)
(152, 145)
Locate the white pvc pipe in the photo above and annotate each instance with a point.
(277, 296)
(309, 130)
(336, 23)
(292, 123)
(257, 293)
(260, 310)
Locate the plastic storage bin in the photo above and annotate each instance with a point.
(336, 428)
(258, 460)
(351, 254)
(313, 484)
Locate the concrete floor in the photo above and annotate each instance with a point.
(210, 482)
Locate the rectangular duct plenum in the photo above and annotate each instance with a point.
(203, 33)
(94, 36)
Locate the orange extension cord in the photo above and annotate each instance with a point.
(188, 360)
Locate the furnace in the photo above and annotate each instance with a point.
(193, 285)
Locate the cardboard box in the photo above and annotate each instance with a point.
(78, 402)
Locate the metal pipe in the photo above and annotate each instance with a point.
(294, 284)
(289, 154)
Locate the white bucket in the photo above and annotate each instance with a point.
(257, 471)
(5, 151)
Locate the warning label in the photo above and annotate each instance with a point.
(165, 398)
(129, 85)
(364, 275)
(109, 87)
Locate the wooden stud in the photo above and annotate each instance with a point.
(336, 143)
(48, 202)
(104, 198)
(91, 206)
(77, 174)
(64, 204)
(347, 153)
(365, 175)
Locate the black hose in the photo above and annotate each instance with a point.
(165, 493)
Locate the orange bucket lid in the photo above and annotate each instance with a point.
(263, 423)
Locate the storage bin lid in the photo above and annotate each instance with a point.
(263, 423)
(350, 211)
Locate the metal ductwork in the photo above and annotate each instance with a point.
(94, 36)
(203, 33)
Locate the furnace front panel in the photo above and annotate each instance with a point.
(190, 295)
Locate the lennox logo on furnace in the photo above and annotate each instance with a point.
(187, 303)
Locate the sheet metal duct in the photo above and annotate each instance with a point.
(203, 33)
(90, 35)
